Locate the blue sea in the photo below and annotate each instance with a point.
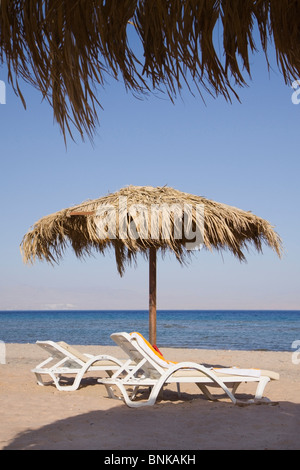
(199, 329)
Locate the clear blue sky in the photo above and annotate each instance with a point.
(243, 154)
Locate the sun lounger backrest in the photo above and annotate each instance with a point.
(137, 349)
(150, 351)
(123, 340)
(73, 351)
(51, 349)
(62, 350)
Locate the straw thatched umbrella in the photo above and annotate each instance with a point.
(65, 48)
(146, 220)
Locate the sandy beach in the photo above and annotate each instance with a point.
(34, 417)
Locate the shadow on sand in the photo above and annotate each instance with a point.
(189, 424)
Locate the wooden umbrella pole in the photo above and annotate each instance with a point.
(152, 295)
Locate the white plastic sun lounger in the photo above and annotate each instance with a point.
(152, 370)
(64, 360)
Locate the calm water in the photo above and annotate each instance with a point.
(243, 330)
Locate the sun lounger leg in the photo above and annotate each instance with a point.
(260, 387)
(111, 393)
(234, 388)
(160, 383)
(39, 379)
(208, 373)
(53, 377)
(56, 379)
(70, 388)
(129, 400)
(77, 379)
(134, 392)
(206, 392)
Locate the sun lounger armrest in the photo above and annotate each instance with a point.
(198, 368)
(103, 357)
